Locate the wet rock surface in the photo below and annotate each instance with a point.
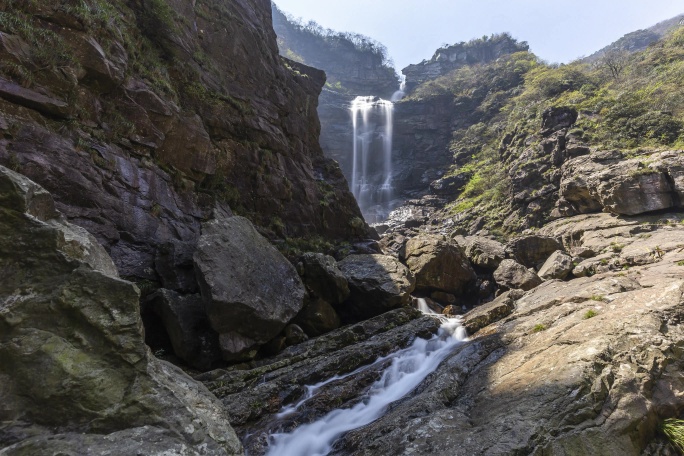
(252, 395)
(75, 370)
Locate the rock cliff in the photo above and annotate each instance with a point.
(139, 116)
(458, 55)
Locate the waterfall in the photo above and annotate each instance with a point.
(371, 180)
(408, 368)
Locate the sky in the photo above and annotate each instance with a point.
(557, 31)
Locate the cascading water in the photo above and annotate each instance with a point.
(408, 368)
(371, 180)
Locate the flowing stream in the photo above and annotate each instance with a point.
(408, 368)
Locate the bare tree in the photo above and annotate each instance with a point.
(615, 61)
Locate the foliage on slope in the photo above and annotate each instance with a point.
(634, 102)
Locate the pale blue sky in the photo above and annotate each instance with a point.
(558, 31)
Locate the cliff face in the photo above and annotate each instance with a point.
(354, 64)
(140, 116)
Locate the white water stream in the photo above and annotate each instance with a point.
(371, 179)
(408, 368)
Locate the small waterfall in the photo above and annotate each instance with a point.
(371, 180)
(408, 368)
(399, 94)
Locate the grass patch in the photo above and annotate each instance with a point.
(616, 247)
(591, 313)
(597, 297)
(674, 431)
(538, 328)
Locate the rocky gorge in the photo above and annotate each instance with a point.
(183, 271)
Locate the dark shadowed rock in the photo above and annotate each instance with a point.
(318, 317)
(556, 118)
(187, 325)
(323, 278)
(438, 264)
(558, 266)
(250, 290)
(531, 250)
(74, 370)
(137, 144)
(378, 283)
(294, 335)
(513, 275)
(25, 97)
(451, 185)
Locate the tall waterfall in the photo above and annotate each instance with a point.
(407, 369)
(371, 180)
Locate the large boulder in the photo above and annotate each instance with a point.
(483, 252)
(74, 370)
(250, 290)
(558, 266)
(378, 283)
(438, 264)
(623, 185)
(532, 250)
(513, 275)
(185, 322)
(323, 278)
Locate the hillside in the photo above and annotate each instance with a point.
(506, 169)
(640, 39)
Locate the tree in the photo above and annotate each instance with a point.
(615, 61)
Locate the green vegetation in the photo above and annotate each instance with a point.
(632, 102)
(680, 263)
(48, 50)
(674, 430)
(295, 247)
(597, 297)
(616, 247)
(591, 313)
(538, 328)
(641, 104)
